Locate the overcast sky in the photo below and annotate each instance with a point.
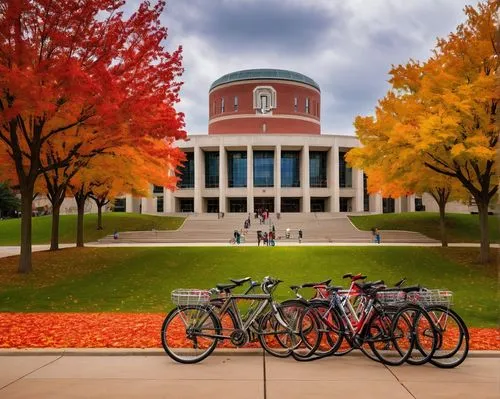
(346, 46)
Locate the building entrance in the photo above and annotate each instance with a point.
(290, 204)
(264, 203)
(212, 205)
(319, 204)
(345, 204)
(237, 205)
(186, 205)
(388, 205)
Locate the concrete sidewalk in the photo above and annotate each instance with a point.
(236, 376)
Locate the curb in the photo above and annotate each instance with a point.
(161, 352)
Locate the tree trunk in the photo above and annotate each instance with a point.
(99, 215)
(54, 237)
(484, 254)
(442, 225)
(25, 264)
(80, 203)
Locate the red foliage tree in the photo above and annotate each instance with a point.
(79, 69)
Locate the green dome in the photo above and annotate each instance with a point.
(259, 74)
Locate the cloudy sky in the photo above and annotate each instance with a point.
(346, 46)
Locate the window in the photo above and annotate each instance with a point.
(187, 172)
(211, 169)
(263, 168)
(237, 169)
(264, 99)
(157, 189)
(159, 204)
(236, 103)
(317, 169)
(345, 172)
(307, 105)
(366, 196)
(317, 109)
(214, 110)
(295, 104)
(222, 104)
(290, 169)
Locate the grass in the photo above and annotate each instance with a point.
(10, 229)
(460, 227)
(141, 279)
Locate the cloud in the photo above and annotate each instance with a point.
(347, 47)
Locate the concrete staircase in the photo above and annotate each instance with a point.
(316, 227)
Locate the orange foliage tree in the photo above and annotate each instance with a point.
(81, 65)
(443, 113)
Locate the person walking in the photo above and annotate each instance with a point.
(259, 237)
(300, 236)
(376, 233)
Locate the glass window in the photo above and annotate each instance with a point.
(317, 169)
(159, 204)
(345, 172)
(211, 169)
(295, 104)
(157, 189)
(236, 103)
(187, 172)
(236, 168)
(366, 196)
(307, 105)
(263, 168)
(222, 105)
(119, 205)
(290, 169)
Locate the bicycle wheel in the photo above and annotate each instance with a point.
(228, 320)
(330, 328)
(188, 333)
(276, 339)
(291, 312)
(426, 338)
(453, 343)
(391, 340)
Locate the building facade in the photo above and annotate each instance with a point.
(264, 149)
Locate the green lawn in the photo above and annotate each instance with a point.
(460, 227)
(141, 279)
(10, 229)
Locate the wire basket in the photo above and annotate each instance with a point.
(183, 297)
(391, 297)
(431, 297)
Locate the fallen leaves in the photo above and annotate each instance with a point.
(125, 330)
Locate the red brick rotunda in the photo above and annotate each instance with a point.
(264, 101)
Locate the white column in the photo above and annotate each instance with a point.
(128, 203)
(397, 205)
(250, 206)
(277, 178)
(198, 179)
(304, 181)
(336, 179)
(376, 203)
(168, 201)
(358, 185)
(222, 178)
(410, 203)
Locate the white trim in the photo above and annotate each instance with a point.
(279, 116)
(260, 81)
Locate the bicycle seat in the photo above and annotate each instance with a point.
(370, 284)
(240, 281)
(225, 287)
(310, 285)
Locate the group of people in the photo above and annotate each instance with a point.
(262, 215)
(266, 238)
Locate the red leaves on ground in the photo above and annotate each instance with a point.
(124, 330)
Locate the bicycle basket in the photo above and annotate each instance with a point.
(431, 297)
(183, 297)
(391, 297)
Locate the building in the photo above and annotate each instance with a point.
(264, 149)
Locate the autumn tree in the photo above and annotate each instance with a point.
(442, 113)
(127, 170)
(76, 63)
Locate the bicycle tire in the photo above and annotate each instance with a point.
(183, 354)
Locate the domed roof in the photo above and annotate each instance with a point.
(264, 74)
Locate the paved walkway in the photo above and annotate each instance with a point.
(240, 377)
(13, 250)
